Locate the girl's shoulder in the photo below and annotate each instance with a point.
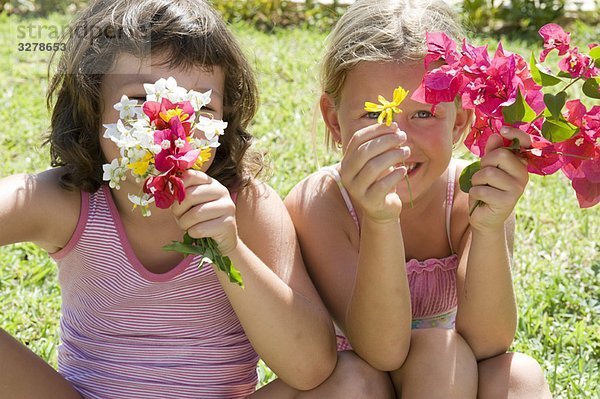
(36, 208)
(317, 203)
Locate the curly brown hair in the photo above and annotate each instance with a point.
(192, 33)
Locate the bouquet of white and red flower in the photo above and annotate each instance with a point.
(506, 90)
(157, 143)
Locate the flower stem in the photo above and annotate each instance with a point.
(477, 203)
(408, 186)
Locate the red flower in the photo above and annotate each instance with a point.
(165, 188)
(554, 38)
(161, 113)
(175, 146)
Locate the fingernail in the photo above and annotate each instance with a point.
(401, 133)
(504, 130)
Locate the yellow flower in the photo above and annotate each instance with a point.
(141, 167)
(176, 112)
(203, 157)
(387, 109)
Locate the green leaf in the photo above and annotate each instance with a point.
(564, 74)
(591, 87)
(557, 130)
(555, 104)
(187, 239)
(519, 111)
(595, 54)
(184, 248)
(467, 175)
(515, 145)
(540, 77)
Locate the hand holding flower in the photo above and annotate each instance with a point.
(371, 170)
(159, 144)
(207, 211)
(506, 90)
(500, 182)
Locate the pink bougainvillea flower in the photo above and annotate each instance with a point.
(481, 130)
(495, 89)
(575, 63)
(440, 85)
(588, 193)
(580, 154)
(490, 84)
(554, 38)
(575, 112)
(165, 188)
(474, 60)
(542, 158)
(179, 161)
(440, 46)
(174, 144)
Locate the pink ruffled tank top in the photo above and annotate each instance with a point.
(129, 333)
(432, 282)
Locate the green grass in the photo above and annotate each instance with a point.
(557, 262)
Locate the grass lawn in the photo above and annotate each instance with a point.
(557, 261)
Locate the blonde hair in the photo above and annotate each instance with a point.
(383, 31)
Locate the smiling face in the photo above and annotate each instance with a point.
(430, 136)
(128, 76)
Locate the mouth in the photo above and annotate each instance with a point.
(411, 167)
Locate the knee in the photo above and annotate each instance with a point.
(441, 346)
(439, 364)
(357, 379)
(527, 377)
(512, 374)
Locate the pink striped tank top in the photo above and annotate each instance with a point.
(432, 282)
(129, 333)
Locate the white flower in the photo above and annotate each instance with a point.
(114, 172)
(141, 201)
(176, 95)
(179, 143)
(126, 107)
(198, 100)
(117, 132)
(160, 89)
(165, 144)
(211, 127)
(143, 135)
(201, 143)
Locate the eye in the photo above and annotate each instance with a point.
(372, 115)
(422, 114)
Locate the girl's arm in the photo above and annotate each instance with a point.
(364, 284)
(35, 208)
(278, 307)
(329, 242)
(487, 313)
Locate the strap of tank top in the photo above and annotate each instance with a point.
(335, 174)
(450, 199)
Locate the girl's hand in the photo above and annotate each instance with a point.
(500, 182)
(371, 169)
(207, 211)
